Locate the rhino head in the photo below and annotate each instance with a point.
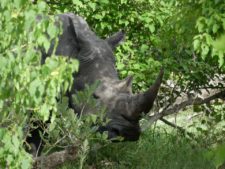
(124, 108)
(97, 63)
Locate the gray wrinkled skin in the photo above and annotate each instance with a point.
(97, 63)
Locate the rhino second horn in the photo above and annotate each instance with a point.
(125, 85)
(144, 101)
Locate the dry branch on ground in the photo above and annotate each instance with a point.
(55, 159)
(202, 97)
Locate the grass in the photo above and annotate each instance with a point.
(154, 150)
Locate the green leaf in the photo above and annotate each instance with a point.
(93, 118)
(104, 1)
(1, 105)
(219, 43)
(97, 16)
(34, 86)
(221, 58)
(120, 66)
(215, 28)
(30, 16)
(77, 2)
(41, 5)
(3, 63)
(205, 50)
(200, 24)
(19, 3)
(25, 163)
(44, 111)
(123, 1)
(223, 24)
(151, 28)
(85, 144)
(15, 142)
(75, 64)
(92, 5)
(44, 41)
(136, 66)
(52, 63)
(4, 3)
(196, 44)
(52, 30)
(217, 155)
(144, 48)
(9, 159)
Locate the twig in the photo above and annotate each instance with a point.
(205, 97)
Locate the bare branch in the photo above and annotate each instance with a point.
(172, 125)
(186, 100)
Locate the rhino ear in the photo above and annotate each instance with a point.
(79, 29)
(125, 85)
(116, 39)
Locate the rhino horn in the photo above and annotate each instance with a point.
(125, 85)
(144, 101)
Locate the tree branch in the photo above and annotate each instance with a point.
(199, 99)
(186, 100)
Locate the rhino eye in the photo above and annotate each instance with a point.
(95, 96)
(113, 133)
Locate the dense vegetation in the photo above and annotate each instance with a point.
(186, 37)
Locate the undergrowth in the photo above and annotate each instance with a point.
(154, 150)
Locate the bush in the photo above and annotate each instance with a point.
(26, 86)
(155, 150)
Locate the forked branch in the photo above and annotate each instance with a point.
(187, 100)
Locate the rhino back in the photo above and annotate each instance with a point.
(80, 42)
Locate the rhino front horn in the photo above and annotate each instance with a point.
(144, 101)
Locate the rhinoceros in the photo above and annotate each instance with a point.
(97, 63)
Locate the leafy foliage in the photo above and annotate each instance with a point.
(210, 25)
(141, 20)
(210, 126)
(158, 33)
(184, 36)
(79, 130)
(217, 155)
(26, 86)
(155, 149)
